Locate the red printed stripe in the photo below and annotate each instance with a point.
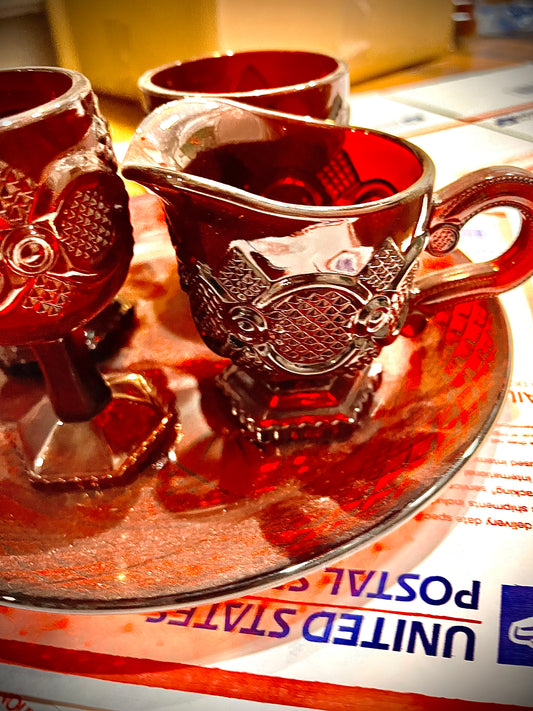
(230, 684)
(495, 113)
(363, 608)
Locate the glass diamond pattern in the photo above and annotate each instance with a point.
(206, 308)
(16, 195)
(48, 296)
(85, 228)
(384, 266)
(339, 175)
(239, 279)
(312, 326)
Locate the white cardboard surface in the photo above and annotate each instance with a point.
(443, 605)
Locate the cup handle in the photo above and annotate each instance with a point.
(452, 207)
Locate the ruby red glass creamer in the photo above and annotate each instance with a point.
(298, 243)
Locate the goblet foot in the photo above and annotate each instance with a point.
(109, 447)
(314, 408)
(103, 335)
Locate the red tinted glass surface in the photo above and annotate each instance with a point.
(37, 141)
(302, 164)
(293, 82)
(21, 92)
(245, 71)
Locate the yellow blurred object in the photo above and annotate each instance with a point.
(114, 42)
(372, 36)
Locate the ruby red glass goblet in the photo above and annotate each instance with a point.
(292, 81)
(65, 248)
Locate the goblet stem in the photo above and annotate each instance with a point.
(103, 335)
(90, 431)
(76, 388)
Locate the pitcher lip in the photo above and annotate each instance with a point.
(165, 176)
(79, 85)
(146, 82)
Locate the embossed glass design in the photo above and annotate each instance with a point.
(65, 248)
(291, 81)
(298, 244)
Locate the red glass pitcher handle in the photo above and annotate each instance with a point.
(453, 206)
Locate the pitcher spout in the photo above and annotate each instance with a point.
(176, 147)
